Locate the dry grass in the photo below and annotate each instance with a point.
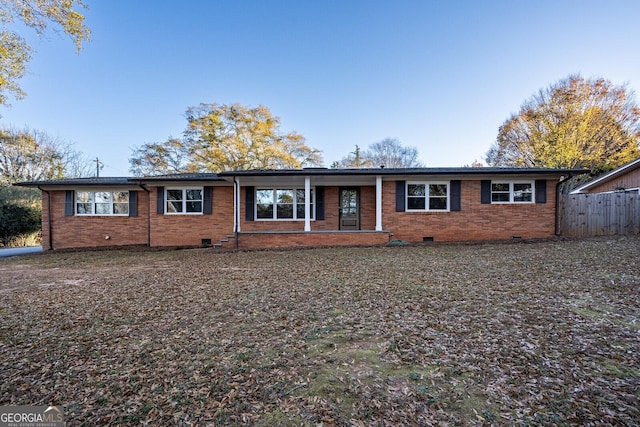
(497, 334)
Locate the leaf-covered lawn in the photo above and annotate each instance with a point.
(496, 334)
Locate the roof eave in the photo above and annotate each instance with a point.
(608, 176)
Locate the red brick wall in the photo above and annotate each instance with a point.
(90, 231)
(475, 221)
(189, 230)
(628, 180)
(368, 208)
(331, 210)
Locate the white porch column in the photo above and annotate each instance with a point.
(307, 203)
(236, 205)
(378, 203)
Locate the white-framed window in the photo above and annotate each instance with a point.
(183, 200)
(282, 203)
(102, 203)
(428, 196)
(512, 192)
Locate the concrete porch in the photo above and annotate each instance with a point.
(297, 239)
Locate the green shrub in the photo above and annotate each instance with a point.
(17, 220)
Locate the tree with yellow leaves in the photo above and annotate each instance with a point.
(575, 123)
(224, 138)
(15, 52)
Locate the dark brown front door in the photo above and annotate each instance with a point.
(349, 209)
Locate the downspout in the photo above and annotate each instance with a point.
(48, 217)
(236, 197)
(557, 224)
(148, 214)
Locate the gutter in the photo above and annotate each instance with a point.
(148, 213)
(50, 248)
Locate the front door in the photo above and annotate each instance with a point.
(349, 209)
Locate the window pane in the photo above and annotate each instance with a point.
(416, 203)
(522, 193)
(416, 190)
(103, 197)
(300, 211)
(500, 187)
(284, 196)
(194, 206)
(121, 208)
(499, 197)
(264, 197)
(121, 196)
(194, 194)
(174, 194)
(438, 190)
(83, 208)
(174, 207)
(285, 211)
(349, 199)
(103, 208)
(264, 211)
(299, 196)
(84, 197)
(438, 203)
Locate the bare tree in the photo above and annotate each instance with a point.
(32, 155)
(391, 153)
(388, 153)
(161, 158)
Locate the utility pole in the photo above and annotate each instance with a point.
(98, 167)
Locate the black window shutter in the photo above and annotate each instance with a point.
(133, 203)
(207, 202)
(249, 198)
(541, 191)
(160, 201)
(320, 203)
(68, 202)
(455, 195)
(485, 191)
(400, 196)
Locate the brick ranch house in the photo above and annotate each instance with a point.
(302, 207)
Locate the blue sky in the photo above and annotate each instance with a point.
(441, 76)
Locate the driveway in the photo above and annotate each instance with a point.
(19, 251)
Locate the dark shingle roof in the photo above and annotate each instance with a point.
(121, 181)
(180, 177)
(93, 181)
(403, 171)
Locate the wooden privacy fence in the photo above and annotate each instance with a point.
(602, 214)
